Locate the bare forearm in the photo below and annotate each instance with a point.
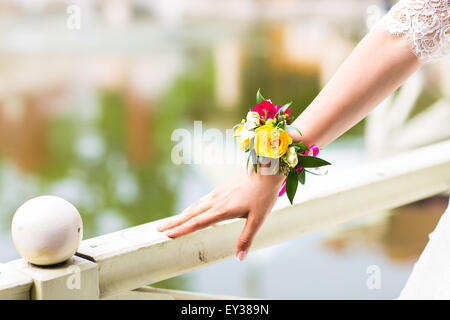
(378, 65)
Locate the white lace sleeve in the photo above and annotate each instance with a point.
(426, 24)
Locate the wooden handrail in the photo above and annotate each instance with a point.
(118, 262)
(140, 255)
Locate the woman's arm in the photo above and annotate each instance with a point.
(378, 65)
(412, 32)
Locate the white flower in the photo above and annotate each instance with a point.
(252, 120)
(244, 134)
(247, 129)
(291, 157)
(247, 134)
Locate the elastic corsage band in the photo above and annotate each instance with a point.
(264, 135)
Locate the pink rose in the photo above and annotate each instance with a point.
(265, 109)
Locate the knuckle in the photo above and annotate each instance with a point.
(217, 213)
(195, 223)
(189, 215)
(215, 210)
(224, 212)
(223, 208)
(220, 214)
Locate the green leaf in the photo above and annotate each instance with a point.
(287, 105)
(301, 146)
(317, 174)
(302, 176)
(311, 162)
(283, 108)
(292, 128)
(250, 145)
(248, 160)
(259, 97)
(254, 160)
(291, 185)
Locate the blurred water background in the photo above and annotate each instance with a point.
(88, 113)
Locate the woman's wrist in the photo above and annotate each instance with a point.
(277, 150)
(268, 172)
(266, 175)
(296, 137)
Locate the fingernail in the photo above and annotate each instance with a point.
(241, 255)
(169, 233)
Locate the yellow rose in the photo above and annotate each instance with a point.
(267, 144)
(243, 143)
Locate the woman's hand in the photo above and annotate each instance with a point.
(249, 196)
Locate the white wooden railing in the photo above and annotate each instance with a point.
(119, 264)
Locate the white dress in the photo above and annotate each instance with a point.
(426, 24)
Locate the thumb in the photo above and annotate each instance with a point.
(245, 240)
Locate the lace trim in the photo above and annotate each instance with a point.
(426, 24)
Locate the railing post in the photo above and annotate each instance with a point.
(74, 279)
(14, 285)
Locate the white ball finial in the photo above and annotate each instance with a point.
(47, 230)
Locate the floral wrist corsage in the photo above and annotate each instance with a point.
(264, 135)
